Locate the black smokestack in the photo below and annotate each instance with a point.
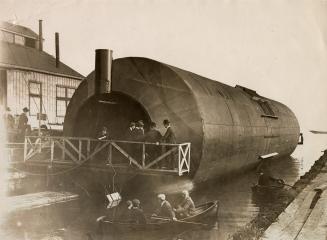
(40, 36)
(57, 50)
(103, 61)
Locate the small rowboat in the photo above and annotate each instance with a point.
(205, 215)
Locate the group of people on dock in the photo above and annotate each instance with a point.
(136, 133)
(135, 214)
(17, 128)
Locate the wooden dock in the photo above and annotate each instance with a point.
(306, 216)
(37, 200)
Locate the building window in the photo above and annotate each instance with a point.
(19, 40)
(63, 96)
(35, 98)
(30, 42)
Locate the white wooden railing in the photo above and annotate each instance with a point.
(140, 155)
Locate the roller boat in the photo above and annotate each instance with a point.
(205, 215)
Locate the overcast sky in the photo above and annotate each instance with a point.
(275, 47)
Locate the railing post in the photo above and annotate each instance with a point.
(88, 148)
(79, 150)
(143, 155)
(110, 154)
(40, 145)
(25, 149)
(189, 157)
(52, 150)
(63, 156)
(179, 160)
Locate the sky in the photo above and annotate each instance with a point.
(276, 47)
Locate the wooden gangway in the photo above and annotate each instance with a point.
(106, 155)
(37, 200)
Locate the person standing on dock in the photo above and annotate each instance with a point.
(139, 130)
(139, 137)
(10, 124)
(130, 133)
(104, 134)
(169, 137)
(23, 127)
(165, 209)
(153, 136)
(186, 207)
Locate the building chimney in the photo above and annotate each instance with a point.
(57, 50)
(102, 79)
(40, 36)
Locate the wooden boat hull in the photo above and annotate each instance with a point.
(265, 189)
(205, 216)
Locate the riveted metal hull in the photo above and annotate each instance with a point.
(227, 126)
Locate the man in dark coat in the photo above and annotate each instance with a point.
(23, 127)
(152, 136)
(165, 209)
(169, 137)
(139, 137)
(137, 213)
(139, 131)
(130, 133)
(126, 213)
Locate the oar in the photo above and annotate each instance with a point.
(181, 221)
(288, 185)
(281, 181)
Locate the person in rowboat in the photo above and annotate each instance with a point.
(186, 207)
(266, 180)
(126, 213)
(165, 210)
(137, 212)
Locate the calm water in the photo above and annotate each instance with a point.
(237, 204)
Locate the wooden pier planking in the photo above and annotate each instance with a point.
(298, 221)
(37, 200)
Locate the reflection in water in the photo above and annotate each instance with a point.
(78, 220)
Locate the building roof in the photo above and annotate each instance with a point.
(18, 29)
(26, 58)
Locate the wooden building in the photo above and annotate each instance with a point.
(30, 77)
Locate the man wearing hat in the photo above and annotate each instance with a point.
(139, 130)
(139, 137)
(165, 209)
(130, 133)
(169, 137)
(23, 127)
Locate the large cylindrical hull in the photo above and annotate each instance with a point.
(228, 127)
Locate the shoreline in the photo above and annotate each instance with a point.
(269, 214)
